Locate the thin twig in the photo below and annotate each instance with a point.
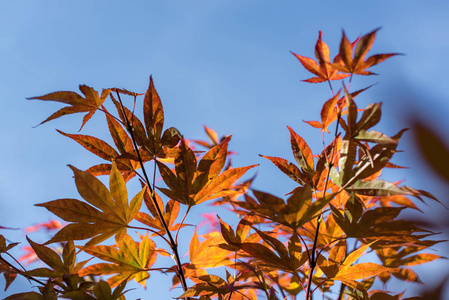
(172, 242)
(312, 260)
(282, 291)
(21, 272)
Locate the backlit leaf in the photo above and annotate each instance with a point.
(324, 70)
(129, 260)
(108, 215)
(153, 111)
(89, 104)
(357, 64)
(301, 152)
(377, 188)
(361, 271)
(94, 145)
(288, 168)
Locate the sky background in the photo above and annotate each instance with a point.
(224, 64)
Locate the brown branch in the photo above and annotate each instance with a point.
(312, 260)
(172, 243)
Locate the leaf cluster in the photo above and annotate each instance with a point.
(340, 210)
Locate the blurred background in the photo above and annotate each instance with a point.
(224, 64)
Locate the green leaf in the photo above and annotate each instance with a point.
(370, 117)
(348, 151)
(376, 188)
(374, 136)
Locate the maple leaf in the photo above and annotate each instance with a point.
(273, 253)
(106, 152)
(47, 292)
(210, 285)
(401, 258)
(100, 290)
(170, 214)
(206, 254)
(8, 272)
(354, 61)
(303, 156)
(193, 184)
(397, 199)
(324, 70)
(213, 138)
(301, 152)
(234, 240)
(340, 266)
(94, 145)
(90, 103)
(107, 213)
(288, 168)
(331, 109)
(298, 210)
(3, 246)
(329, 232)
(59, 266)
(380, 224)
(130, 260)
(150, 137)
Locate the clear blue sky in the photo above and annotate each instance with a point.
(225, 64)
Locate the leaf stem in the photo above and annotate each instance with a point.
(350, 80)
(330, 86)
(151, 230)
(180, 224)
(106, 112)
(305, 245)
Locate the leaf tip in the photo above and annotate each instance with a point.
(73, 168)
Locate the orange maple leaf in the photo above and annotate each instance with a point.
(48, 226)
(90, 104)
(324, 69)
(353, 62)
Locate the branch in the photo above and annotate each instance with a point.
(172, 242)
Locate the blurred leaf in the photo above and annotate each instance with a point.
(433, 148)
